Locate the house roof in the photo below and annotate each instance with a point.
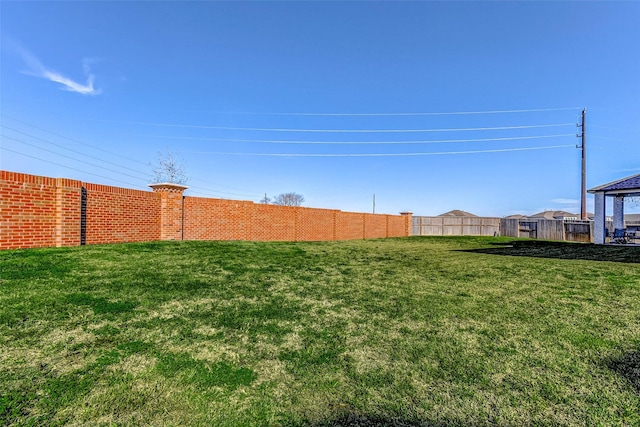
(553, 214)
(515, 216)
(630, 184)
(457, 212)
(634, 218)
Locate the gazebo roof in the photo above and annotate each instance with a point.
(627, 186)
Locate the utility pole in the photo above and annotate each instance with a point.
(583, 188)
(374, 203)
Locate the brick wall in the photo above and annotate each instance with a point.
(216, 219)
(350, 225)
(27, 211)
(315, 224)
(272, 223)
(37, 211)
(399, 225)
(375, 226)
(115, 215)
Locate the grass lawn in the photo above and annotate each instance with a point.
(405, 332)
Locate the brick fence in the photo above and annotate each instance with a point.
(37, 211)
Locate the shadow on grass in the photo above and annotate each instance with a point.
(628, 367)
(564, 250)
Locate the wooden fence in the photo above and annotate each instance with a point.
(455, 226)
(545, 229)
(548, 229)
(536, 228)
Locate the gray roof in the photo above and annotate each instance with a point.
(515, 216)
(553, 214)
(634, 218)
(457, 212)
(630, 184)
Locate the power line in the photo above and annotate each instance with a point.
(340, 130)
(73, 158)
(75, 140)
(502, 150)
(206, 190)
(96, 158)
(111, 170)
(321, 142)
(317, 155)
(397, 114)
(68, 149)
(68, 167)
(430, 141)
(432, 113)
(304, 155)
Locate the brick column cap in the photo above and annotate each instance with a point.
(406, 213)
(168, 187)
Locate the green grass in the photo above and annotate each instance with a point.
(405, 332)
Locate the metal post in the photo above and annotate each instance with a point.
(583, 191)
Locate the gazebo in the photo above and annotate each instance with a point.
(618, 190)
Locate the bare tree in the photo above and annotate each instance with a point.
(288, 199)
(169, 168)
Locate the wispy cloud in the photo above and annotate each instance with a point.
(70, 85)
(566, 201)
(37, 69)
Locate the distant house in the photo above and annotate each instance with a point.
(592, 217)
(563, 215)
(632, 219)
(458, 213)
(515, 216)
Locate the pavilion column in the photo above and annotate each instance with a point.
(618, 212)
(600, 219)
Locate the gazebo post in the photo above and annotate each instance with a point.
(618, 212)
(600, 219)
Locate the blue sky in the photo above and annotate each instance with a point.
(337, 101)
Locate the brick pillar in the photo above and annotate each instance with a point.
(407, 222)
(68, 212)
(171, 209)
